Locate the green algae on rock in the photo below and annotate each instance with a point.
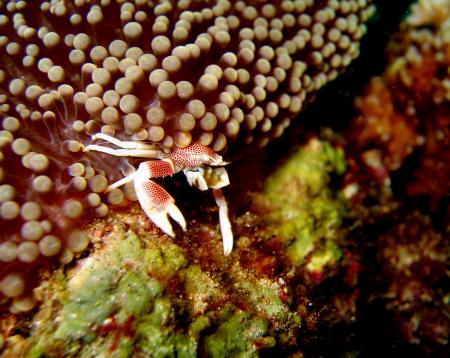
(238, 334)
(304, 211)
(111, 306)
(104, 295)
(117, 302)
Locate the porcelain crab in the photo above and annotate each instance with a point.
(202, 167)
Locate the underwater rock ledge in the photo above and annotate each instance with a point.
(139, 292)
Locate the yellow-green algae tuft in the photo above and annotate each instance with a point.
(305, 212)
(238, 334)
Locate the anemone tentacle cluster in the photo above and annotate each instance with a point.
(225, 74)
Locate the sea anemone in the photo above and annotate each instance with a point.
(228, 75)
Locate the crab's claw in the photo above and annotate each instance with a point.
(158, 205)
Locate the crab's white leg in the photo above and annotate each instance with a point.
(138, 153)
(122, 143)
(155, 201)
(120, 182)
(225, 225)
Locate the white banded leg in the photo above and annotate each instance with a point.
(137, 153)
(123, 143)
(127, 148)
(225, 224)
(120, 182)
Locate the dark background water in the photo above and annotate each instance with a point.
(334, 108)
